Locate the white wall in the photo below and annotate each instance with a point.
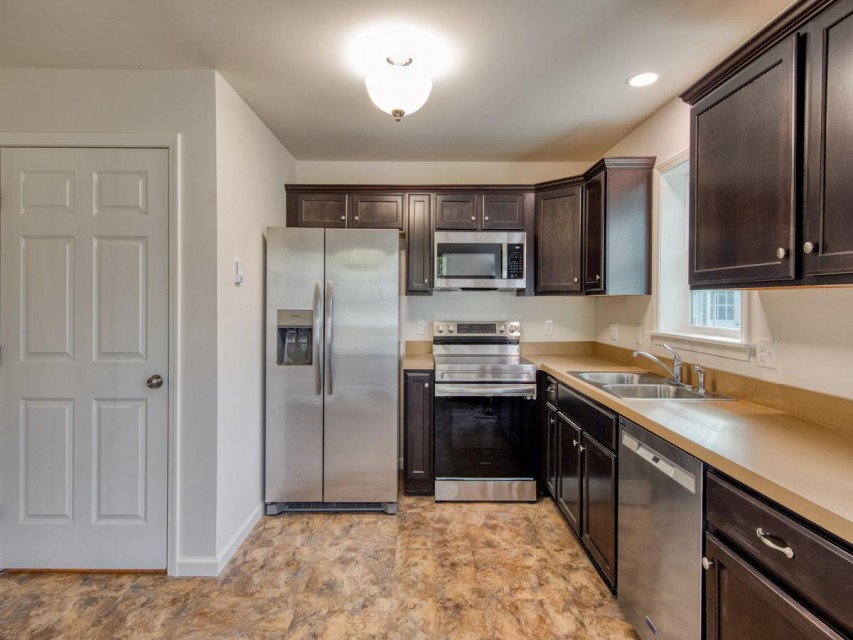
(251, 169)
(320, 172)
(811, 326)
(99, 101)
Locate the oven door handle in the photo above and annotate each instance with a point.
(443, 390)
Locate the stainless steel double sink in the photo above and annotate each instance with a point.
(643, 386)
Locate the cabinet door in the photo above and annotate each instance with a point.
(593, 233)
(558, 241)
(503, 211)
(321, 210)
(418, 433)
(551, 451)
(740, 603)
(569, 472)
(599, 507)
(829, 219)
(377, 211)
(419, 245)
(743, 174)
(456, 211)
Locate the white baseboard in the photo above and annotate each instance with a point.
(210, 566)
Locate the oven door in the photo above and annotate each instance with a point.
(484, 442)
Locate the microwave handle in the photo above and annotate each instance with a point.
(504, 260)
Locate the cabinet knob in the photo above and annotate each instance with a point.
(426, 385)
(552, 420)
(781, 252)
(574, 279)
(472, 218)
(574, 443)
(707, 564)
(581, 448)
(343, 217)
(426, 280)
(356, 218)
(486, 218)
(597, 277)
(808, 247)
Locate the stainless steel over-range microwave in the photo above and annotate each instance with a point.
(479, 259)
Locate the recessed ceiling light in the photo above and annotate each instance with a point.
(643, 79)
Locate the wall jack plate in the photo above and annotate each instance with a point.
(765, 353)
(420, 326)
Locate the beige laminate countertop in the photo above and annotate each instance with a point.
(802, 465)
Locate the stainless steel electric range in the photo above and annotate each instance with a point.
(484, 394)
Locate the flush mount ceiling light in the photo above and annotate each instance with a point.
(643, 79)
(398, 63)
(398, 87)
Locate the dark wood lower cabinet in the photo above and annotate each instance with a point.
(599, 507)
(569, 487)
(418, 474)
(741, 603)
(551, 452)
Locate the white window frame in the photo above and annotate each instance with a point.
(679, 333)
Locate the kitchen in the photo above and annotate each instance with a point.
(219, 470)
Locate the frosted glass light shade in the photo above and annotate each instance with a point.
(398, 90)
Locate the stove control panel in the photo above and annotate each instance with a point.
(500, 329)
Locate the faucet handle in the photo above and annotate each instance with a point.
(676, 362)
(700, 382)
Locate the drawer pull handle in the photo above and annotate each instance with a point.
(766, 539)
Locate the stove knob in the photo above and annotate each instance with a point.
(439, 328)
(501, 328)
(513, 328)
(451, 328)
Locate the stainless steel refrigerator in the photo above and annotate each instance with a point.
(332, 346)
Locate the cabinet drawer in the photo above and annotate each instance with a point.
(596, 421)
(819, 571)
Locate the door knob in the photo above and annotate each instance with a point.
(154, 382)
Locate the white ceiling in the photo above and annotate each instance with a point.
(534, 80)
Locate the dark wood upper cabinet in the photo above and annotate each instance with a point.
(593, 233)
(321, 210)
(419, 245)
(456, 211)
(377, 210)
(557, 241)
(617, 221)
(418, 475)
(503, 211)
(828, 228)
(744, 180)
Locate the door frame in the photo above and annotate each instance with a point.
(172, 143)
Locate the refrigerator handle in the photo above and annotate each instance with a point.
(318, 366)
(330, 289)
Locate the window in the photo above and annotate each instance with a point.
(693, 315)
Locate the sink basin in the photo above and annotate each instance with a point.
(658, 392)
(616, 377)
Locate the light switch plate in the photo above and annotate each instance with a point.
(638, 334)
(549, 327)
(765, 351)
(614, 331)
(420, 325)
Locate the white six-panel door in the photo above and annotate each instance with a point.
(83, 326)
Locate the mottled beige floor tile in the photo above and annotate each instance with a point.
(516, 619)
(414, 619)
(225, 617)
(464, 620)
(139, 616)
(51, 616)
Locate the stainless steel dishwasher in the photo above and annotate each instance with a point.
(660, 536)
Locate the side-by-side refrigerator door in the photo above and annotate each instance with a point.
(362, 287)
(294, 365)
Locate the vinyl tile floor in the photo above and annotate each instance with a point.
(450, 570)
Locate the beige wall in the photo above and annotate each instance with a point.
(811, 326)
(251, 169)
(99, 101)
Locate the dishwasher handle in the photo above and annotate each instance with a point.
(660, 462)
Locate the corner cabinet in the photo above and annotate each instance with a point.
(418, 461)
(617, 222)
(771, 133)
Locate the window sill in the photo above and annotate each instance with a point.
(731, 348)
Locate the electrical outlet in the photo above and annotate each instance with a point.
(765, 351)
(614, 331)
(549, 328)
(638, 334)
(420, 327)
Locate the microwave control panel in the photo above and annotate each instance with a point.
(515, 261)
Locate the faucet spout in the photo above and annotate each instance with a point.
(674, 371)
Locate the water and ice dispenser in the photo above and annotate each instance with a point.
(295, 337)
